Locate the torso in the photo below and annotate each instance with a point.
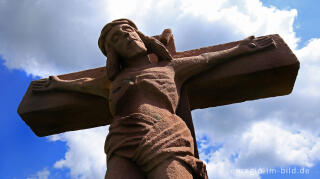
(150, 89)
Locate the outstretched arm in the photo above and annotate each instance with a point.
(189, 66)
(94, 86)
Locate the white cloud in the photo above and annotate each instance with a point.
(245, 17)
(269, 145)
(268, 133)
(43, 174)
(265, 146)
(85, 155)
(51, 37)
(310, 69)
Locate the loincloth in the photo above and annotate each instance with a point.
(148, 141)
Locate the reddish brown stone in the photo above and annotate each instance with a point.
(149, 99)
(259, 75)
(59, 111)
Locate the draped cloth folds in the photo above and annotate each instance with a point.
(149, 140)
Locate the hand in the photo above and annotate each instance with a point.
(46, 84)
(252, 44)
(156, 46)
(166, 36)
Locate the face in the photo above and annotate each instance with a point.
(125, 40)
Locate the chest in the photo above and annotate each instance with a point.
(156, 78)
(155, 86)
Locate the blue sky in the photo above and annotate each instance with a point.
(39, 38)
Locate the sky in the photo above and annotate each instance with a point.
(267, 138)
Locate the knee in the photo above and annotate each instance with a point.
(120, 167)
(170, 169)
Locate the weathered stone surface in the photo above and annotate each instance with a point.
(59, 111)
(258, 75)
(148, 100)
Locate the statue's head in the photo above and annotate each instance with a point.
(120, 40)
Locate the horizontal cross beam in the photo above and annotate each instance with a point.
(264, 74)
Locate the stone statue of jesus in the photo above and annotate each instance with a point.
(146, 138)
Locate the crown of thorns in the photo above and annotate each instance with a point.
(106, 29)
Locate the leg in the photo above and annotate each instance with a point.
(122, 168)
(170, 169)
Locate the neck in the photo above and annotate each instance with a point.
(138, 61)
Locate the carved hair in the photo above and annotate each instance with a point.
(114, 62)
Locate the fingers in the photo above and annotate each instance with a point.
(35, 90)
(261, 38)
(40, 85)
(250, 38)
(265, 41)
(42, 82)
(55, 78)
(38, 89)
(258, 43)
(252, 45)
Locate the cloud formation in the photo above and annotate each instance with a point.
(85, 156)
(269, 133)
(52, 37)
(43, 174)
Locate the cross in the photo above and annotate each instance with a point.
(268, 73)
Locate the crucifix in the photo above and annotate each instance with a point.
(146, 93)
